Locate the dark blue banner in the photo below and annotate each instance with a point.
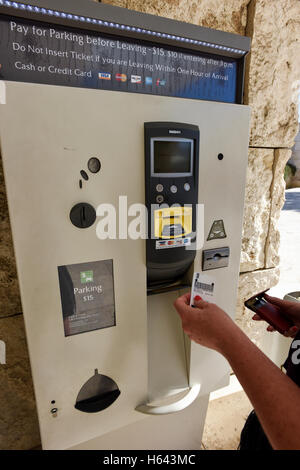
(50, 54)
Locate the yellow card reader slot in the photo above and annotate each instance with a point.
(173, 222)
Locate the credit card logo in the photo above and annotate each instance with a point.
(121, 77)
(160, 82)
(136, 79)
(104, 76)
(148, 80)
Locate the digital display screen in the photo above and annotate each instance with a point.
(172, 157)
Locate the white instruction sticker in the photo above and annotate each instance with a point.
(174, 243)
(203, 286)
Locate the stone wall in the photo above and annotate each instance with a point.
(271, 82)
(295, 160)
(271, 89)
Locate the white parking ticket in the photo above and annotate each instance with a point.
(204, 286)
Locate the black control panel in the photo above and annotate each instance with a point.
(171, 171)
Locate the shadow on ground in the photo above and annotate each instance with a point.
(292, 201)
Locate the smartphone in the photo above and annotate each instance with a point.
(268, 312)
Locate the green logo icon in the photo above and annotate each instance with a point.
(86, 276)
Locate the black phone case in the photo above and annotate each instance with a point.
(270, 313)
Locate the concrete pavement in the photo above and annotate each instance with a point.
(289, 227)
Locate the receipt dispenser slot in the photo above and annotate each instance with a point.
(215, 258)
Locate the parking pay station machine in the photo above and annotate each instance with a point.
(124, 144)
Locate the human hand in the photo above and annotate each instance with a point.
(291, 310)
(205, 323)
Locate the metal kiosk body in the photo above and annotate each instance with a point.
(105, 112)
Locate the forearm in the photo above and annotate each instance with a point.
(274, 396)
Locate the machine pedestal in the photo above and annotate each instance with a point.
(178, 431)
